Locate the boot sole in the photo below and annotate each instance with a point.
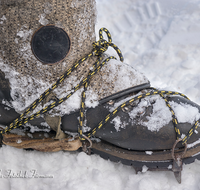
(158, 160)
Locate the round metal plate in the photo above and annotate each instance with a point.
(50, 44)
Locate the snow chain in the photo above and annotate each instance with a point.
(99, 48)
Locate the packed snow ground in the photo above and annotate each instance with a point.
(159, 38)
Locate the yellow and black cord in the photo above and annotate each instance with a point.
(99, 48)
(151, 93)
(22, 119)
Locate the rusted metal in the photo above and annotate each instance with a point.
(173, 149)
(111, 102)
(177, 168)
(86, 145)
(177, 161)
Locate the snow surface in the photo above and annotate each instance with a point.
(157, 37)
(119, 124)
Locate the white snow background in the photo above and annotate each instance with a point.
(160, 38)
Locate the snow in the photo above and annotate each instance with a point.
(193, 144)
(185, 112)
(118, 124)
(43, 21)
(157, 37)
(161, 114)
(123, 71)
(149, 152)
(144, 169)
(3, 18)
(19, 141)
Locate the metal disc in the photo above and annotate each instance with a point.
(50, 44)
